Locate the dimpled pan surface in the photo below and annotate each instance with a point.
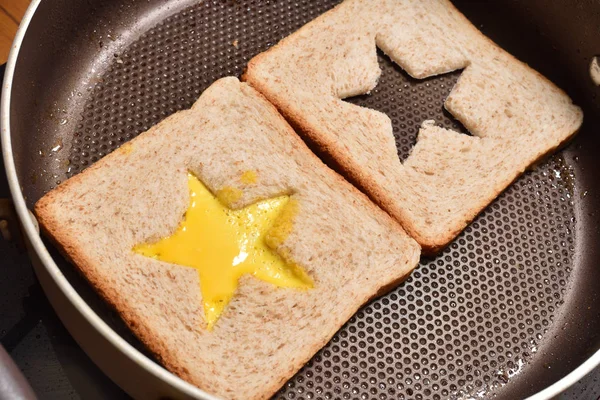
(505, 310)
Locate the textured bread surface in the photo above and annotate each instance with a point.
(514, 114)
(138, 194)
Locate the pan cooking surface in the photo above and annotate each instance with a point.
(467, 322)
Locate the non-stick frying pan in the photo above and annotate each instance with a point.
(510, 309)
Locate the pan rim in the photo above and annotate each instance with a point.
(84, 309)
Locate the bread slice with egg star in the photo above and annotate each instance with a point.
(117, 220)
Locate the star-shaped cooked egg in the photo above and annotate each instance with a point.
(223, 244)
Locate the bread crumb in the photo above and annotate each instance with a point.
(235, 43)
(595, 71)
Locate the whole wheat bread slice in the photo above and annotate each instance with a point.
(351, 249)
(515, 115)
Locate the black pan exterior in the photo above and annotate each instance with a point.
(510, 307)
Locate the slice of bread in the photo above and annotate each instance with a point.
(351, 249)
(515, 115)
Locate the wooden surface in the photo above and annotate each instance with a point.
(11, 12)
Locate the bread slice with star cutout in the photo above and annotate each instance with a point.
(238, 146)
(514, 114)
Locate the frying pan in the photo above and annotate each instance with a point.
(510, 309)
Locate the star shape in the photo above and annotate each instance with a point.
(223, 244)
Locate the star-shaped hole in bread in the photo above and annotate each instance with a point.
(223, 244)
